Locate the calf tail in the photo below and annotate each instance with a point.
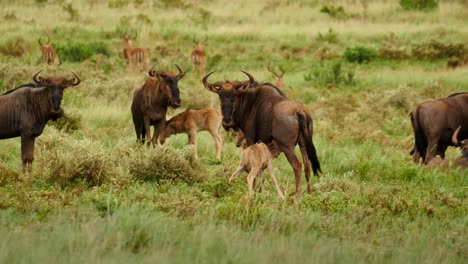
(305, 128)
(420, 140)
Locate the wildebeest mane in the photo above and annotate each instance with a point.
(455, 94)
(28, 85)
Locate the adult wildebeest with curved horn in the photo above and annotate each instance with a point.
(150, 102)
(265, 114)
(434, 123)
(24, 111)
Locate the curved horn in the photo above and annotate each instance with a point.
(206, 39)
(194, 41)
(75, 81)
(282, 71)
(35, 77)
(251, 78)
(272, 71)
(40, 42)
(48, 39)
(455, 136)
(151, 71)
(211, 87)
(181, 73)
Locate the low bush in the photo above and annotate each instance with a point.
(67, 162)
(68, 123)
(165, 163)
(434, 49)
(360, 54)
(337, 12)
(13, 47)
(419, 4)
(78, 51)
(330, 73)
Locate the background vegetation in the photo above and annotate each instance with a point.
(359, 66)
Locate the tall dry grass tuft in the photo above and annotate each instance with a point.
(165, 163)
(68, 162)
(7, 175)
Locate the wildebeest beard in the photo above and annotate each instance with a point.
(56, 115)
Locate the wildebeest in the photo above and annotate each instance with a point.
(190, 122)
(254, 160)
(456, 162)
(198, 56)
(278, 77)
(136, 58)
(265, 114)
(150, 102)
(48, 52)
(434, 123)
(25, 111)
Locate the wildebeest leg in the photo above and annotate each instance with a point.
(305, 160)
(251, 178)
(147, 125)
(218, 142)
(157, 129)
(139, 130)
(27, 152)
(297, 166)
(273, 178)
(431, 150)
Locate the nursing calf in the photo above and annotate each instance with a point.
(191, 122)
(254, 160)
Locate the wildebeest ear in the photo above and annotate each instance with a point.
(241, 88)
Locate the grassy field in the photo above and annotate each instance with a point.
(95, 196)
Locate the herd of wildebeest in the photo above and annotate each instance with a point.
(265, 119)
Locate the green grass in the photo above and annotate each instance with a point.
(95, 196)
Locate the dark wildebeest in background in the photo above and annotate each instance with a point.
(434, 123)
(254, 160)
(264, 114)
(25, 111)
(456, 162)
(191, 122)
(150, 102)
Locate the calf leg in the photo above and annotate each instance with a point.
(273, 178)
(27, 152)
(239, 170)
(218, 143)
(251, 178)
(192, 136)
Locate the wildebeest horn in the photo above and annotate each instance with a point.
(75, 81)
(151, 71)
(35, 77)
(181, 73)
(208, 85)
(455, 136)
(251, 78)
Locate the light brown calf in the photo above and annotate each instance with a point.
(461, 162)
(193, 120)
(254, 160)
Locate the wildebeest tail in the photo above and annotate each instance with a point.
(420, 140)
(305, 129)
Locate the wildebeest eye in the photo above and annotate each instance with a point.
(65, 83)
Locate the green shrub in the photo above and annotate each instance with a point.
(337, 12)
(165, 163)
(68, 162)
(71, 11)
(419, 4)
(330, 73)
(68, 123)
(330, 36)
(78, 51)
(360, 54)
